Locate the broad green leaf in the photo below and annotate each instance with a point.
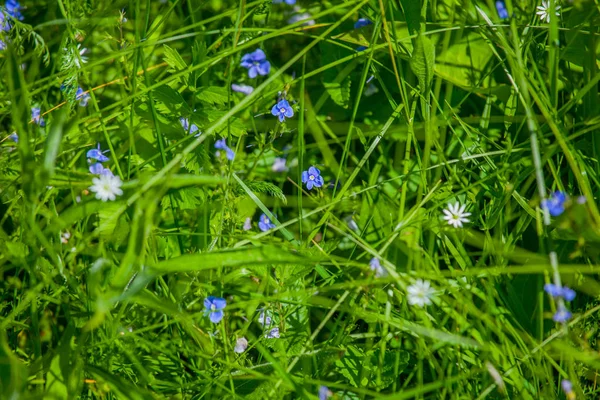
(173, 58)
(412, 13)
(339, 92)
(463, 63)
(212, 95)
(262, 255)
(56, 387)
(422, 62)
(172, 99)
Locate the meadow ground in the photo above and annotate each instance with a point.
(281, 199)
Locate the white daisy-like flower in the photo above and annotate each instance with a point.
(544, 13)
(107, 187)
(420, 293)
(455, 215)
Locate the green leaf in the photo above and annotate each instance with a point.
(53, 144)
(174, 59)
(412, 13)
(339, 92)
(213, 95)
(172, 99)
(231, 258)
(422, 62)
(264, 187)
(56, 387)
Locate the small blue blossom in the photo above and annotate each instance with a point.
(556, 203)
(13, 8)
(273, 334)
(290, 2)
(562, 315)
(376, 267)
(312, 178)
(560, 291)
(222, 145)
(82, 96)
(306, 17)
(501, 8)
(265, 224)
(279, 165)
(361, 23)
(256, 63)
(97, 154)
(265, 318)
(324, 392)
(246, 89)
(35, 116)
(185, 123)
(98, 169)
(567, 387)
(282, 110)
(4, 22)
(214, 307)
(361, 48)
(14, 137)
(247, 224)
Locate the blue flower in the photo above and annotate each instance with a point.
(361, 23)
(501, 8)
(242, 88)
(324, 392)
(312, 177)
(567, 387)
(361, 48)
(98, 169)
(282, 110)
(562, 315)
(185, 123)
(256, 63)
(214, 307)
(82, 96)
(222, 145)
(556, 203)
(273, 334)
(35, 116)
(376, 267)
(265, 224)
(13, 8)
(4, 22)
(560, 291)
(97, 154)
(290, 2)
(14, 137)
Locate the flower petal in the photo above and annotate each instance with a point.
(216, 317)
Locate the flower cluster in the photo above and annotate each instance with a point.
(36, 116)
(106, 185)
(222, 145)
(189, 128)
(560, 292)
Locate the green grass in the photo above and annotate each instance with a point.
(448, 103)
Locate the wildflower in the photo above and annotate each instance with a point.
(352, 225)
(312, 177)
(13, 8)
(562, 314)
(362, 22)
(273, 334)
(581, 200)
(544, 13)
(265, 224)
(81, 59)
(560, 291)
(501, 8)
(98, 169)
(567, 387)
(214, 307)
(420, 293)
(107, 187)
(361, 48)
(97, 154)
(290, 2)
(241, 345)
(82, 96)
(64, 238)
(455, 215)
(264, 318)
(279, 165)
(246, 89)
(248, 224)
(370, 90)
(256, 63)
(324, 392)
(556, 203)
(14, 137)
(4, 22)
(282, 110)
(375, 265)
(185, 123)
(35, 116)
(222, 145)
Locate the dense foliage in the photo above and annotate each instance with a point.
(353, 199)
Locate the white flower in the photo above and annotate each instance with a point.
(248, 224)
(543, 12)
(64, 238)
(420, 293)
(455, 215)
(107, 187)
(241, 345)
(279, 165)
